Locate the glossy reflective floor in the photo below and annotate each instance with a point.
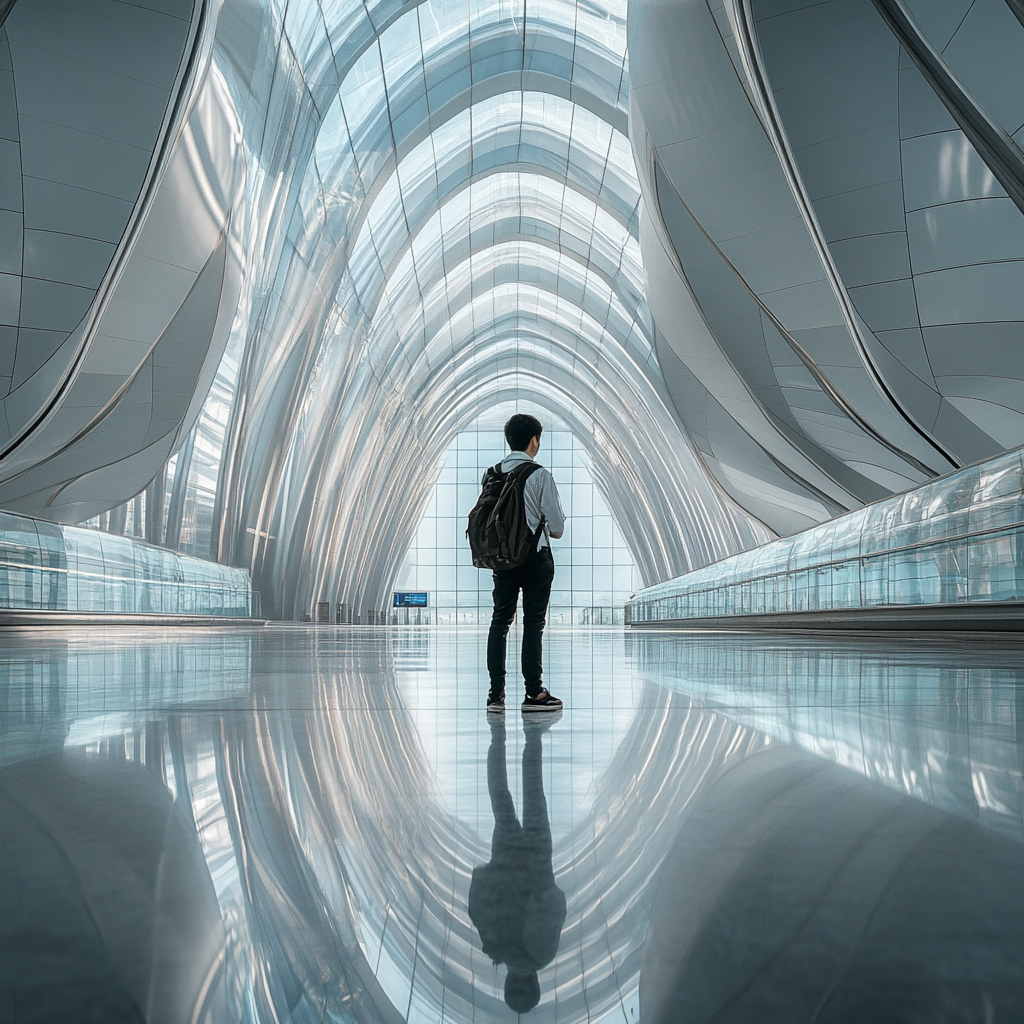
(296, 824)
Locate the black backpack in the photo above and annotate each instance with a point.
(498, 533)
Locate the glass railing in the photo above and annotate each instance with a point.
(956, 540)
(48, 567)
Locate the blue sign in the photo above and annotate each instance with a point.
(407, 600)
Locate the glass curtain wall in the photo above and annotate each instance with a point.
(958, 540)
(595, 572)
(51, 567)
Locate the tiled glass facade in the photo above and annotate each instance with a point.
(595, 574)
(48, 567)
(955, 541)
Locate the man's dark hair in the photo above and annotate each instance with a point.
(520, 430)
(522, 991)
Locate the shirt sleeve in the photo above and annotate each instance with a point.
(550, 505)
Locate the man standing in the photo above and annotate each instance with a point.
(546, 520)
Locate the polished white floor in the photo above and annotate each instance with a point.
(283, 825)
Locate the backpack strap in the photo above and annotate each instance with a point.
(523, 473)
(528, 469)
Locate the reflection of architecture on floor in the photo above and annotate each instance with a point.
(799, 891)
(514, 901)
(941, 722)
(107, 908)
(336, 850)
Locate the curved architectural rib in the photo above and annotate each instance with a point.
(156, 117)
(994, 145)
(101, 416)
(754, 66)
(927, 242)
(433, 304)
(710, 154)
(828, 233)
(827, 387)
(685, 332)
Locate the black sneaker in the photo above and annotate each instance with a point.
(496, 704)
(542, 702)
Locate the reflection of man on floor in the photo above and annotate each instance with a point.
(513, 900)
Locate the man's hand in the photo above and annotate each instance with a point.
(556, 536)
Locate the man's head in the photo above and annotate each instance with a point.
(522, 991)
(520, 430)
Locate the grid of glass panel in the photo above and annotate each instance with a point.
(594, 576)
(48, 567)
(957, 540)
(442, 211)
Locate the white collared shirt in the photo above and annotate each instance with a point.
(540, 497)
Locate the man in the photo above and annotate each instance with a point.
(546, 520)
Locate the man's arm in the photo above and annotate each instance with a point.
(551, 507)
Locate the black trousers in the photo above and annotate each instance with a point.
(534, 580)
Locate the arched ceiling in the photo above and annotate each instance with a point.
(465, 231)
(421, 209)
